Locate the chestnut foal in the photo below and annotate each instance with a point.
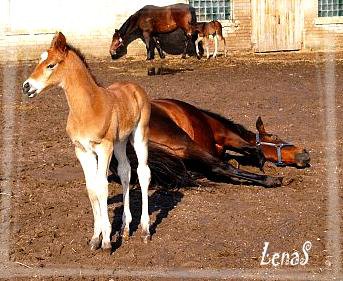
(204, 30)
(100, 122)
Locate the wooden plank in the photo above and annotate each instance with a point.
(277, 25)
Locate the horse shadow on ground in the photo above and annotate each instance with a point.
(161, 201)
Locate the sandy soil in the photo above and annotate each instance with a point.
(216, 225)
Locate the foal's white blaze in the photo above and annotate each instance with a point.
(43, 56)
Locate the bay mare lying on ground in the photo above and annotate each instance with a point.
(184, 139)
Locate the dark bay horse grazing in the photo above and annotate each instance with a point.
(191, 139)
(204, 30)
(150, 21)
(101, 121)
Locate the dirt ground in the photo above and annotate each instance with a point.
(216, 225)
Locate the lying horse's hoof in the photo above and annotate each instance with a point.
(273, 182)
(95, 244)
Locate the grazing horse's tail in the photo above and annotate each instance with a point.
(167, 170)
(193, 15)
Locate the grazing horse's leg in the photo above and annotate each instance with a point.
(158, 47)
(89, 166)
(124, 172)
(149, 45)
(104, 153)
(140, 143)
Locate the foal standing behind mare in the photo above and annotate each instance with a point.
(100, 121)
(204, 30)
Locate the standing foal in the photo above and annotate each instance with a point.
(204, 30)
(100, 122)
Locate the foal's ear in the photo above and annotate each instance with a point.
(59, 42)
(260, 126)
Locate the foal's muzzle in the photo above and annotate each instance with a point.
(29, 90)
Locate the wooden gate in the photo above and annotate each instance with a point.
(277, 25)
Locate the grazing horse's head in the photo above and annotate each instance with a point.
(48, 71)
(278, 151)
(117, 42)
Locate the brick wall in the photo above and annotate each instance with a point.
(321, 33)
(238, 31)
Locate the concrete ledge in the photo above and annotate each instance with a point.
(29, 47)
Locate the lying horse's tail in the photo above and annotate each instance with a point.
(167, 170)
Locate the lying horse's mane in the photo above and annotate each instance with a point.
(237, 128)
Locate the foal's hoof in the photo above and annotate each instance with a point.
(125, 234)
(95, 244)
(183, 56)
(145, 238)
(106, 246)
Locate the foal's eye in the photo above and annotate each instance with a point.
(51, 66)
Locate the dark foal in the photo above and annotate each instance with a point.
(204, 30)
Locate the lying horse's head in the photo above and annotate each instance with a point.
(278, 151)
(117, 42)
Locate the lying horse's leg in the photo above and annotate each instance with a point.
(140, 144)
(124, 173)
(215, 168)
(89, 165)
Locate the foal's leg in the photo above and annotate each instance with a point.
(215, 38)
(124, 172)
(104, 153)
(89, 165)
(197, 46)
(224, 42)
(140, 143)
(206, 43)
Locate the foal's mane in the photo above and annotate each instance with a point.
(237, 128)
(78, 53)
(82, 57)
